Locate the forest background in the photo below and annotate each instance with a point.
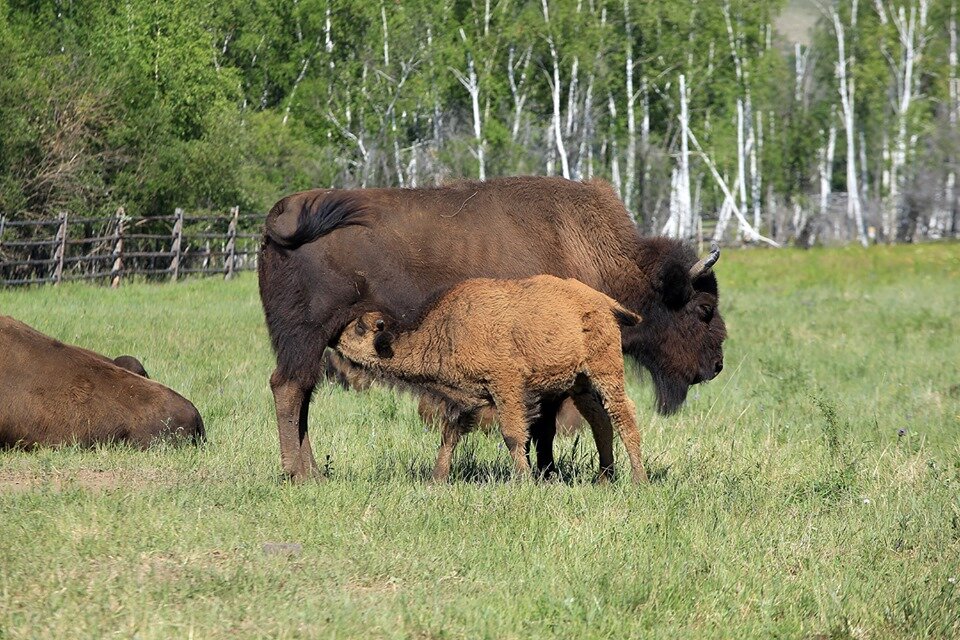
(741, 120)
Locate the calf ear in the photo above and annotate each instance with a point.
(675, 287)
(382, 344)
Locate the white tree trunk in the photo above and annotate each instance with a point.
(826, 166)
(756, 184)
(685, 211)
(518, 87)
(741, 162)
(555, 92)
(950, 193)
(912, 35)
(800, 70)
(614, 150)
(471, 83)
(631, 115)
(847, 104)
(751, 233)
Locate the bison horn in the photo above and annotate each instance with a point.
(704, 265)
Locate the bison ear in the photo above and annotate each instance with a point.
(675, 286)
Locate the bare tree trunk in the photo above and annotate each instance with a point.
(847, 105)
(631, 115)
(826, 166)
(911, 33)
(471, 83)
(950, 195)
(518, 87)
(755, 179)
(751, 233)
(614, 151)
(800, 70)
(741, 162)
(685, 210)
(304, 65)
(555, 91)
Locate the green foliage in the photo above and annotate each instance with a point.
(206, 105)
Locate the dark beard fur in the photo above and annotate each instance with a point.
(670, 392)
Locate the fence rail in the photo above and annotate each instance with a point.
(118, 247)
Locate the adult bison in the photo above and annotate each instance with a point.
(53, 393)
(328, 256)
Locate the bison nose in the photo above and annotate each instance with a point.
(718, 368)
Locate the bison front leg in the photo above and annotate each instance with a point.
(292, 402)
(542, 432)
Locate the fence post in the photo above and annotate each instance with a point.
(58, 256)
(117, 268)
(177, 240)
(206, 257)
(231, 251)
(3, 226)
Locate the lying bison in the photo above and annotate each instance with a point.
(512, 342)
(52, 393)
(328, 256)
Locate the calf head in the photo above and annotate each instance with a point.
(366, 340)
(681, 338)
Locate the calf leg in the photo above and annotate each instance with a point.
(513, 427)
(292, 400)
(622, 412)
(589, 405)
(451, 432)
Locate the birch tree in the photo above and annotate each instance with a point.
(471, 83)
(847, 95)
(911, 30)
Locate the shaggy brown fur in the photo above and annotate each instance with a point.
(341, 371)
(431, 409)
(52, 393)
(511, 342)
(330, 255)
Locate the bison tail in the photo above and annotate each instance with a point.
(302, 218)
(625, 317)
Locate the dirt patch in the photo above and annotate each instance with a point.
(87, 479)
(373, 586)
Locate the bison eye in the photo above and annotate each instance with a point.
(360, 329)
(706, 312)
(380, 324)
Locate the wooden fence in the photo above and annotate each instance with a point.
(112, 248)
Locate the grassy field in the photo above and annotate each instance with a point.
(811, 491)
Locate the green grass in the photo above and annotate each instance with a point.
(785, 503)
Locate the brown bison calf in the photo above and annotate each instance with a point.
(52, 393)
(511, 342)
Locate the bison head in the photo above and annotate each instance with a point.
(680, 340)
